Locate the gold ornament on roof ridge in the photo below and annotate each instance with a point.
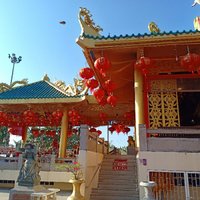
(78, 88)
(4, 86)
(153, 28)
(87, 24)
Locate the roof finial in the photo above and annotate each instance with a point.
(196, 2)
(153, 28)
(46, 78)
(87, 24)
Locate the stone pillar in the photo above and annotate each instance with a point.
(63, 135)
(139, 103)
(143, 137)
(148, 187)
(84, 132)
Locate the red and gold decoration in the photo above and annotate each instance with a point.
(143, 64)
(109, 86)
(99, 94)
(102, 64)
(92, 84)
(86, 73)
(112, 100)
(119, 127)
(191, 62)
(74, 117)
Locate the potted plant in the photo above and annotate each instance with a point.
(76, 180)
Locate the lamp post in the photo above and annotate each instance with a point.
(14, 60)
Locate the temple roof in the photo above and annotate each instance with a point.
(37, 90)
(139, 35)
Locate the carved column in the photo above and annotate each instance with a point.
(63, 135)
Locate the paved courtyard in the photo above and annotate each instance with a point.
(62, 195)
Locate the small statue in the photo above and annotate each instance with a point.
(131, 142)
(29, 172)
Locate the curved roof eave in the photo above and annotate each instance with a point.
(43, 100)
(90, 41)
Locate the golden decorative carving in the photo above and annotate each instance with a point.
(79, 87)
(153, 28)
(87, 24)
(5, 86)
(46, 78)
(163, 104)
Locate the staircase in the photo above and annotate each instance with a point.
(117, 179)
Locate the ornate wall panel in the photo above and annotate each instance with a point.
(163, 104)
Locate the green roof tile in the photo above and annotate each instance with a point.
(36, 90)
(139, 35)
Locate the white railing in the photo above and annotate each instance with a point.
(46, 162)
(170, 139)
(97, 144)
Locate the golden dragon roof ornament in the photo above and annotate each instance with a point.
(5, 86)
(79, 87)
(87, 25)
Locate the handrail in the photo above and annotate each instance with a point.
(99, 165)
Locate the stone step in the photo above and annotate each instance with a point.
(118, 182)
(114, 198)
(116, 177)
(120, 156)
(110, 164)
(127, 172)
(118, 186)
(107, 192)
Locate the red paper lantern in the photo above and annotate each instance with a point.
(111, 129)
(102, 65)
(143, 64)
(29, 114)
(35, 132)
(190, 61)
(73, 113)
(57, 114)
(86, 73)
(15, 130)
(103, 101)
(92, 130)
(126, 130)
(99, 132)
(109, 86)
(92, 84)
(112, 100)
(99, 94)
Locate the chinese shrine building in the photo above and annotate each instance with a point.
(149, 81)
(157, 74)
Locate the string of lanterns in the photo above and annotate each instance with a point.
(103, 94)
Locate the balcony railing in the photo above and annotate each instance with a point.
(183, 139)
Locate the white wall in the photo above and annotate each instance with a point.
(50, 176)
(166, 161)
(91, 161)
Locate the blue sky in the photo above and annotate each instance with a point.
(31, 29)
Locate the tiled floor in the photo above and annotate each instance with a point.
(62, 195)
